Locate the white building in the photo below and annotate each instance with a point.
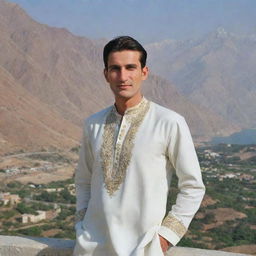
(7, 197)
(33, 218)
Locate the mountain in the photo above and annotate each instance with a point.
(216, 72)
(243, 137)
(51, 68)
(203, 122)
(51, 63)
(28, 123)
(51, 80)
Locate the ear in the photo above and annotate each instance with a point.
(105, 74)
(145, 72)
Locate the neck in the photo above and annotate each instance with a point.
(123, 104)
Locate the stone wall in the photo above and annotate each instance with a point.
(34, 246)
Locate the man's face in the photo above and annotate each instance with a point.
(124, 74)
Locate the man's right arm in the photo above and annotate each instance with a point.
(83, 177)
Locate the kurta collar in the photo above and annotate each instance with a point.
(132, 110)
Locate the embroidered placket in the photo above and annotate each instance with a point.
(120, 135)
(116, 152)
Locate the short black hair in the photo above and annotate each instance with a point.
(122, 43)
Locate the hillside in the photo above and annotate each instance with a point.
(216, 72)
(27, 122)
(225, 220)
(62, 74)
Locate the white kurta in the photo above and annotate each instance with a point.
(123, 179)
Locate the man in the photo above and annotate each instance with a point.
(129, 152)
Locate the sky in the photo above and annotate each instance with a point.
(146, 20)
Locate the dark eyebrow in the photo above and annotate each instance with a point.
(114, 66)
(131, 66)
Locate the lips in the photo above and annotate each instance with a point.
(123, 86)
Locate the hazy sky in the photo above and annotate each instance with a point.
(146, 20)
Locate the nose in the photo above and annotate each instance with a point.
(123, 75)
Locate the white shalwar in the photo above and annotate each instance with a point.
(123, 179)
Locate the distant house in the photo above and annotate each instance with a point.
(246, 177)
(227, 175)
(42, 215)
(12, 198)
(210, 154)
(33, 218)
(50, 190)
(214, 154)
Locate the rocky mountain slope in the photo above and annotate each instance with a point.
(28, 124)
(217, 72)
(52, 79)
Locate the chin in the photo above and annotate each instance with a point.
(124, 95)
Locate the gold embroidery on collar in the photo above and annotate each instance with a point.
(175, 225)
(114, 174)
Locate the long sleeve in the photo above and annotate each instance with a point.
(182, 155)
(83, 176)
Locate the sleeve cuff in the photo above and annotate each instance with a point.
(172, 229)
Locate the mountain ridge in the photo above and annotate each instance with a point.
(216, 72)
(63, 74)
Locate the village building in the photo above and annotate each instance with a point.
(245, 176)
(50, 190)
(42, 215)
(227, 175)
(33, 218)
(6, 198)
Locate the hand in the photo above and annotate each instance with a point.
(164, 244)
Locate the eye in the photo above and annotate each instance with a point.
(114, 68)
(131, 67)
